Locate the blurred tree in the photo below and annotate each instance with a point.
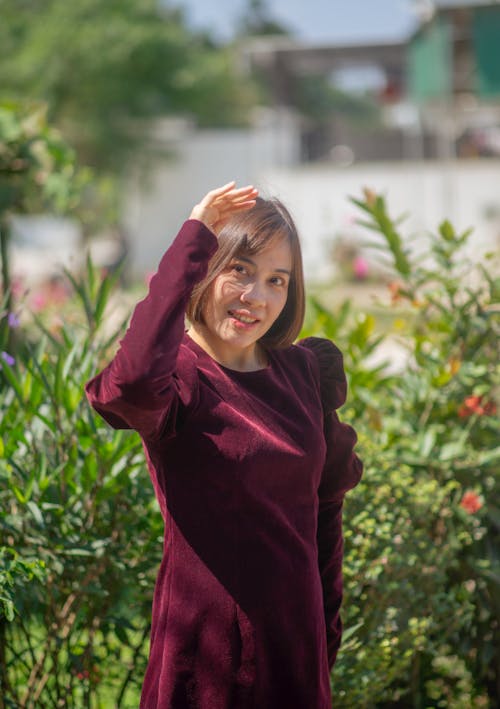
(258, 21)
(37, 171)
(317, 97)
(102, 67)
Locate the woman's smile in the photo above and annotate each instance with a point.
(241, 318)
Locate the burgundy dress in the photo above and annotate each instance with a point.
(250, 470)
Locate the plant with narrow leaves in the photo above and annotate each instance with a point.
(78, 516)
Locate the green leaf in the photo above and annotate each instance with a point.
(36, 512)
(19, 494)
(90, 276)
(447, 231)
(105, 288)
(349, 632)
(10, 375)
(122, 634)
(8, 608)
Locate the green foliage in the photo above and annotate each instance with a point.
(80, 534)
(37, 172)
(422, 569)
(37, 168)
(257, 21)
(102, 67)
(317, 98)
(15, 571)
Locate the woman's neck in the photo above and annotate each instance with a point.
(243, 360)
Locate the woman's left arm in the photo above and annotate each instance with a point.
(341, 472)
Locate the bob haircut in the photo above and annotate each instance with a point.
(248, 233)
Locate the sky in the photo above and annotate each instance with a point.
(314, 21)
(320, 21)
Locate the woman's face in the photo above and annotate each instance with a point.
(245, 299)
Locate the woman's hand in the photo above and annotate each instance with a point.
(217, 206)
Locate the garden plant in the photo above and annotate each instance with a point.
(81, 535)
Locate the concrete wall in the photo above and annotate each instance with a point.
(466, 192)
(200, 161)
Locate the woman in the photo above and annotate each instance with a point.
(248, 459)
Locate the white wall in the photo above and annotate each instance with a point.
(318, 196)
(465, 193)
(201, 160)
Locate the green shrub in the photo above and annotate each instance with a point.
(422, 568)
(77, 509)
(80, 534)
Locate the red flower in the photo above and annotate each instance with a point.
(83, 675)
(471, 502)
(475, 405)
(490, 408)
(395, 289)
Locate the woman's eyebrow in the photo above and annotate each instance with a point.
(252, 263)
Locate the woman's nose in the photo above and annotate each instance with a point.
(253, 293)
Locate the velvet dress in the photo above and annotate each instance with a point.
(250, 470)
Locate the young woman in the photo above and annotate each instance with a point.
(248, 459)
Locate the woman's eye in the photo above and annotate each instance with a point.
(278, 281)
(238, 268)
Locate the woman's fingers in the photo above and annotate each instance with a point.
(217, 205)
(245, 196)
(233, 195)
(226, 209)
(217, 193)
(231, 202)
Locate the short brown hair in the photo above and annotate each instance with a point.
(249, 233)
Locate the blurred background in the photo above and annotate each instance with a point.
(165, 99)
(378, 123)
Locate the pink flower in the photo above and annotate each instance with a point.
(39, 301)
(17, 287)
(360, 268)
(471, 502)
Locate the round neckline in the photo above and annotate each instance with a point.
(194, 345)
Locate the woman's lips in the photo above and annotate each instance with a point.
(243, 318)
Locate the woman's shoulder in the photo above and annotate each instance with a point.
(327, 362)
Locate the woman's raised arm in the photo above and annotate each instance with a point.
(141, 388)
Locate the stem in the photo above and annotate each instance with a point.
(62, 626)
(4, 680)
(6, 282)
(4, 252)
(132, 666)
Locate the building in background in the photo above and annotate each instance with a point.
(433, 148)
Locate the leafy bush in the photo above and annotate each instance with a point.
(422, 570)
(81, 534)
(76, 502)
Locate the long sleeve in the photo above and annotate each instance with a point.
(141, 388)
(342, 471)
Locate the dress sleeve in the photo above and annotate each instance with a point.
(144, 385)
(341, 472)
